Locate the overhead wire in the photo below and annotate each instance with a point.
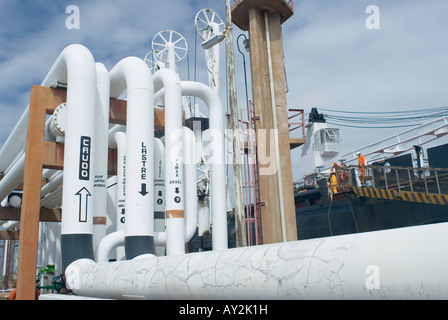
(382, 119)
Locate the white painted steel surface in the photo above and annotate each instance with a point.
(394, 264)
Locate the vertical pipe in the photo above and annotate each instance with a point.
(174, 185)
(76, 67)
(101, 154)
(191, 193)
(159, 191)
(218, 194)
(120, 138)
(132, 74)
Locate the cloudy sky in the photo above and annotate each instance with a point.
(333, 60)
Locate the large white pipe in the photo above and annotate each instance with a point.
(190, 180)
(407, 263)
(174, 185)
(75, 66)
(13, 178)
(101, 153)
(218, 194)
(159, 191)
(120, 141)
(133, 74)
(108, 243)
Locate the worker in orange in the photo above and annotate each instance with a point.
(333, 182)
(361, 164)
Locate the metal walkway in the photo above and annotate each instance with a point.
(420, 185)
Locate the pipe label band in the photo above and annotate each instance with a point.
(84, 158)
(175, 214)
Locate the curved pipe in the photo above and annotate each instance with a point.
(218, 194)
(76, 67)
(108, 243)
(133, 74)
(174, 185)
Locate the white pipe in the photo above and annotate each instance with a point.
(101, 153)
(133, 74)
(174, 185)
(120, 141)
(406, 263)
(52, 200)
(13, 178)
(191, 193)
(159, 191)
(116, 128)
(217, 164)
(54, 182)
(76, 67)
(274, 120)
(108, 243)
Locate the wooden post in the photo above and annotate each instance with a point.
(278, 210)
(29, 223)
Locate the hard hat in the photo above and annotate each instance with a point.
(358, 153)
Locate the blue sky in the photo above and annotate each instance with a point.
(332, 60)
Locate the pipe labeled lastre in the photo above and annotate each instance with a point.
(75, 66)
(132, 74)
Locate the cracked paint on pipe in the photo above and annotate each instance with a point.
(411, 263)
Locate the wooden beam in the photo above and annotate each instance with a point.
(9, 235)
(268, 179)
(41, 97)
(45, 215)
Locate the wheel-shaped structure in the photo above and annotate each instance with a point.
(168, 40)
(205, 20)
(151, 61)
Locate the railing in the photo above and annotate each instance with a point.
(297, 121)
(423, 180)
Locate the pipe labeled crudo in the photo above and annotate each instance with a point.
(75, 66)
(174, 185)
(133, 75)
(218, 196)
(405, 263)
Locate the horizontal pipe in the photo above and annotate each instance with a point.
(406, 263)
